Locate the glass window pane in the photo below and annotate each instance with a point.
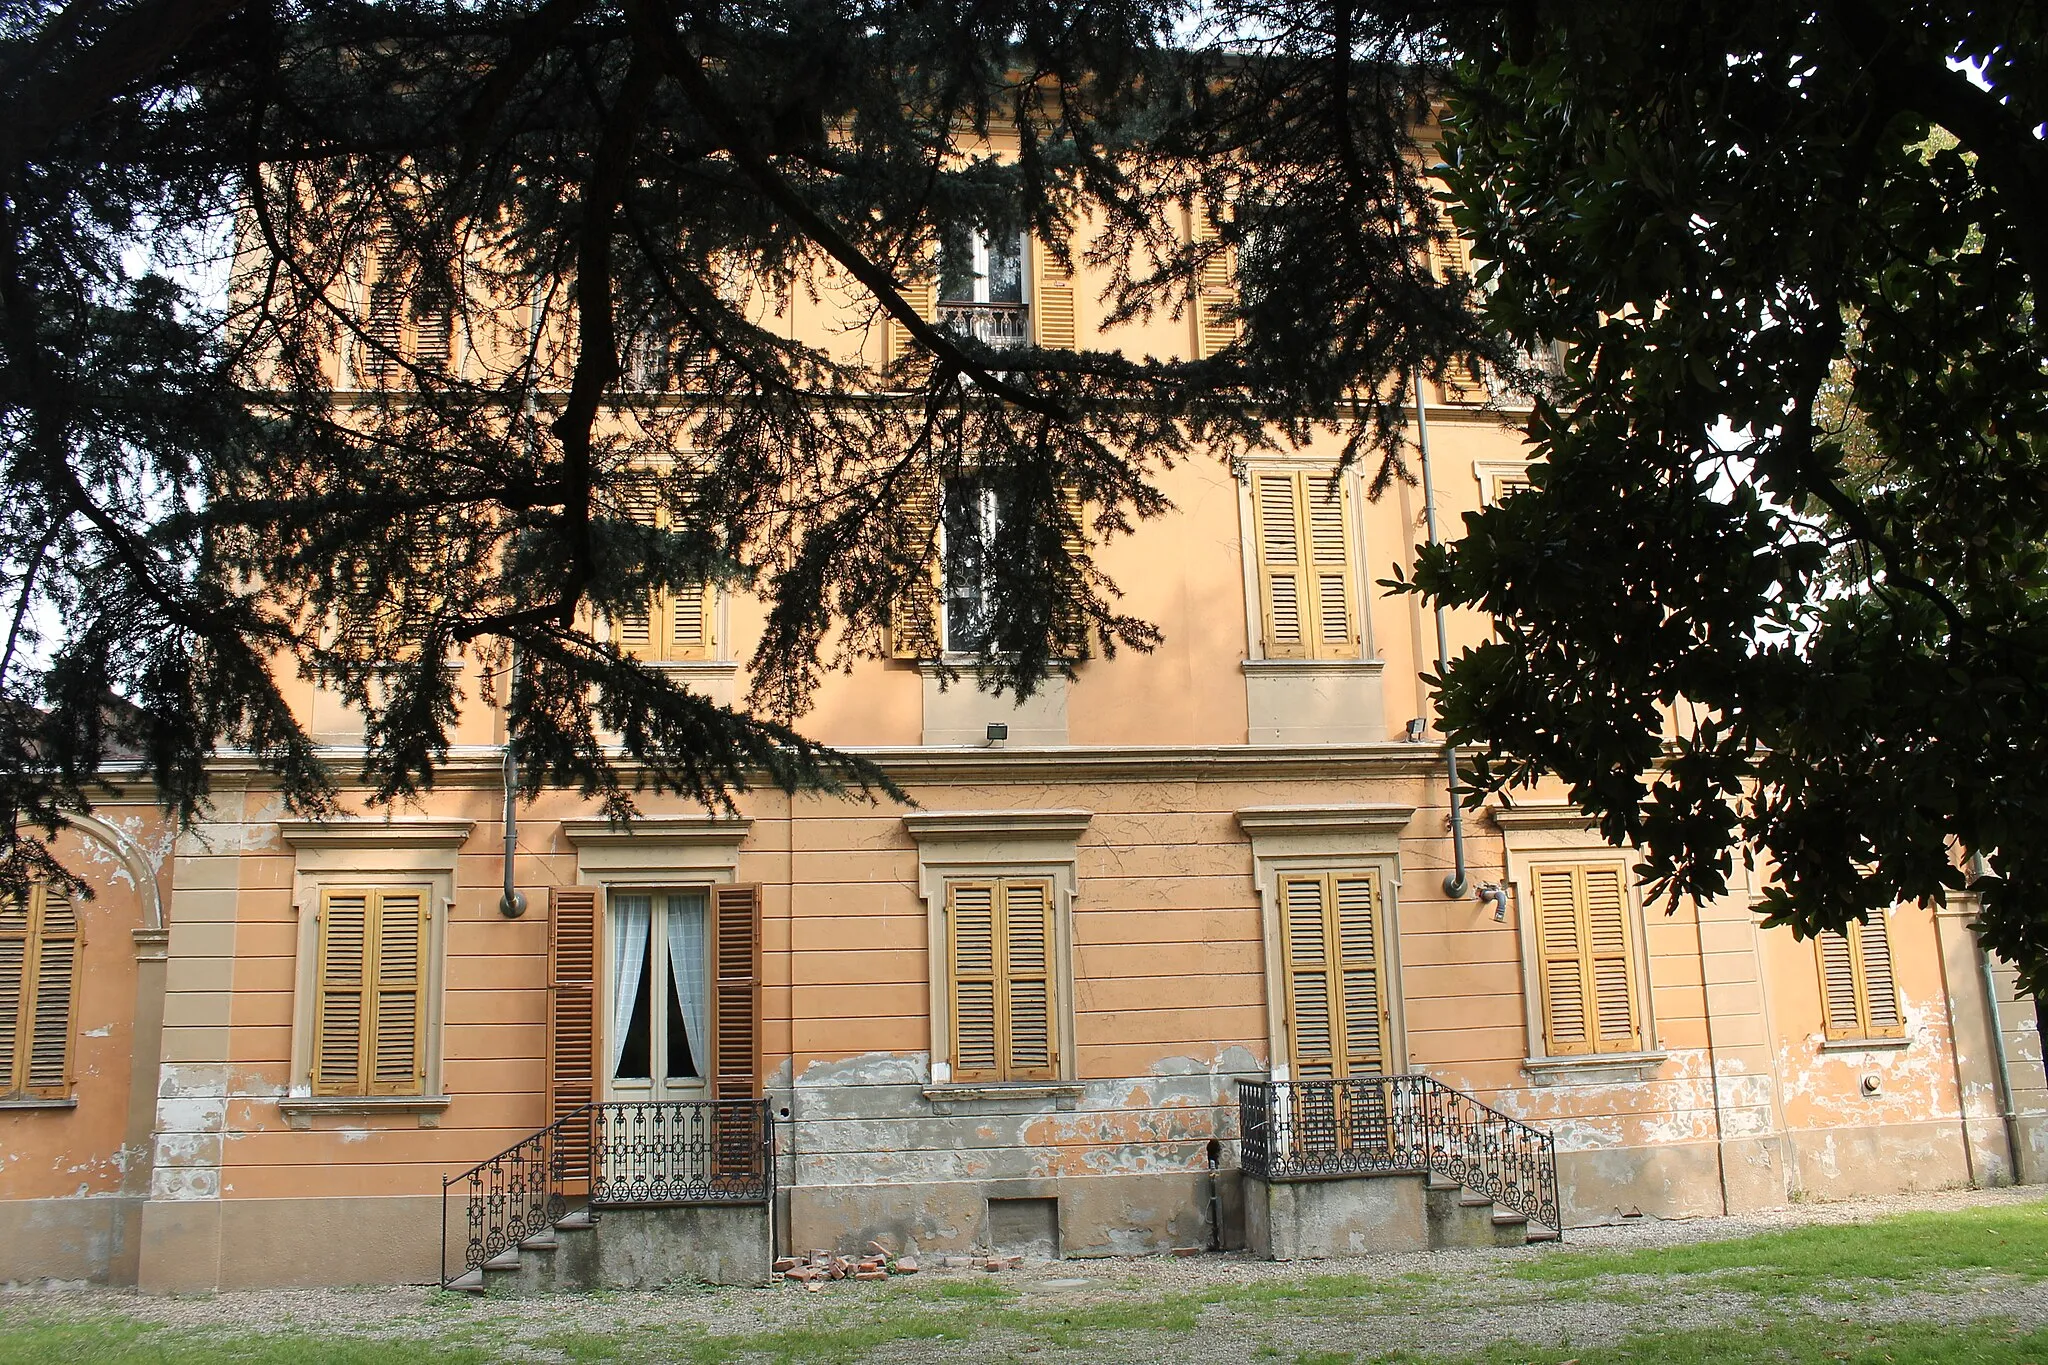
(1006, 268)
(633, 1052)
(957, 277)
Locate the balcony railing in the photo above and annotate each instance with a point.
(992, 324)
(626, 1154)
(1384, 1125)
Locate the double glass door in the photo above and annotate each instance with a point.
(660, 995)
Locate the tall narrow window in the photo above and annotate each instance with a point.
(660, 1016)
(673, 623)
(1331, 926)
(1859, 995)
(999, 937)
(370, 992)
(39, 946)
(1308, 594)
(981, 286)
(1592, 1000)
(975, 515)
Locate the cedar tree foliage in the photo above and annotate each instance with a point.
(490, 280)
(1794, 488)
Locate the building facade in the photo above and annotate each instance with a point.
(1014, 1012)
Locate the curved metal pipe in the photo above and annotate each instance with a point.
(1458, 882)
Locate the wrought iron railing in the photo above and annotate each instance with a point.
(1377, 1125)
(616, 1155)
(992, 324)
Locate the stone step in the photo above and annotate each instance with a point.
(468, 1282)
(1473, 1201)
(508, 1259)
(575, 1222)
(1543, 1235)
(1506, 1219)
(544, 1240)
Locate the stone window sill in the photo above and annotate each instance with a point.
(71, 1103)
(1063, 1094)
(711, 667)
(1867, 1045)
(1285, 666)
(298, 1110)
(1600, 1068)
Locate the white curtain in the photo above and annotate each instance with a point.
(689, 970)
(631, 916)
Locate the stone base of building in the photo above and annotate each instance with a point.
(92, 1239)
(1290, 1220)
(202, 1244)
(654, 1248)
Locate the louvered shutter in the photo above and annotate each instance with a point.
(1362, 1028)
(1283, 590)
(1611, 960)
(398, 1002)
(1052, 301)
(384, 327)
(1335, 615)
(1451, 259)
(575, 946)
(1561, 966)
(975, 980)
(640, 628)
(736, 992)
(1215, 292)
(1311, 1009)
(339, 994)
(14, 968)
(1882, 1016)
(433, 329)
(922, 294)
(1028, 1027)
(54, 994)
(690, 618)
(914, 615)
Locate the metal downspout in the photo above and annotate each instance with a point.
(1981, 866)
(513, 903)
(1457, 883)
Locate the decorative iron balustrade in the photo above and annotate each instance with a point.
(617, 1155)
(1380, 1125)
(992, 324)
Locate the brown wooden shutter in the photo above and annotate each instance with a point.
(1030, 1048)
(1215, 292)
(398, 1004)
(1611, 959)
(1335, 617)
(914, 615)
(1356, 910)
(1283, 589)
(53, 991)
(1882, 1015)
(1311, 1010)
(736, 992)
(384, 325)
(340, 990)
(974, 980)
(14, 969)
(575, 946)
(1561, 964)
(1052, 301)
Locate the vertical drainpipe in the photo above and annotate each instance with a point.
(1456, 884)
(1980, 866)
(513, 903)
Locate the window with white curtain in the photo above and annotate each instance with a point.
(659, 1029)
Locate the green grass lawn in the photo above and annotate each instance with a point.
(1805, 1294)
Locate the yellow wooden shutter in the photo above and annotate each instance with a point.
(1561, 964)
(1028, 1032)
(914, 615)
(384, 324)
(1215, 292)
(1052, 301)
(14, 969)
(640, 629)
(53, 993)
(1883, 1018)
(339, 992)
(1610, 959)
(1331, 579)
(975, 980)
(1451, 259)
(1311, 1011)
(1279, 544)
(1838, 985)
(397, 1062)
(691, 616)
(922, 294)
(1354, 903)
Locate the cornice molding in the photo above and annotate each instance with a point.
(648, 830)
(983, 826)
(387, 834)
(1280, 821)
(1543, 815)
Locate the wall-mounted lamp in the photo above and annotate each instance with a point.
(1498, 894)
(1416, 728)
(998, 732)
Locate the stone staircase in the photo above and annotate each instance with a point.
(1456, 1217)
(631, 1248)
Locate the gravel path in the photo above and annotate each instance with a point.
(1444, 1300)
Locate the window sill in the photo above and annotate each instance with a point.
(710, 667)
(1283, 667)
(1866, 1045)
(1603, 1068)
(298, 1110)
(71, 1103)
(1065, 1095)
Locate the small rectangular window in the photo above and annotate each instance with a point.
(981, 286)
(672, 624)
(1003, 1007)
(975, 514)
(1859, 994)
(1331, 927)
(1301, 539)
(370, 991)
(39, 946)
(1586, 966)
